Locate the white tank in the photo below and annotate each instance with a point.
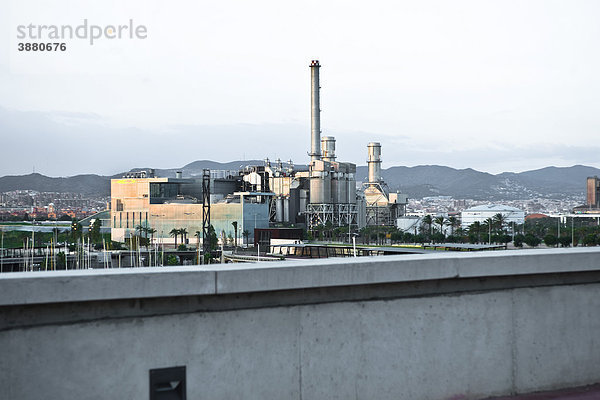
(335, 188)
(351, 188)
(286, 209)
(339, 188)
(320, 187)
(279, 209)
(303, 200)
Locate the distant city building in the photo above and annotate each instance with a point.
(593, 192)
(483, 212)
(409, 223)
(536, 216)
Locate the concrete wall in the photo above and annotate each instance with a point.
(442, 326)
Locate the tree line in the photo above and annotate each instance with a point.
(493, 230)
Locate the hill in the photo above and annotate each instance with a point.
(90, 184)
(417, 182)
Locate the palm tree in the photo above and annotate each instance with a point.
(151, 231)
(246, 234)
(428, 220)
(475, 227)
(500, 221)
(183, 233)
(454, 223)
(174, 233)
(441, 221)
(489, 223)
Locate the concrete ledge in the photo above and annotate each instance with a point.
(403, 268)
(140, 283)
(23, 288)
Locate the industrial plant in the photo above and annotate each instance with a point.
(236, 203)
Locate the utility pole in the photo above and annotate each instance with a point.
(222, 247)
(572, 231)
(2, 250)
(32, 241)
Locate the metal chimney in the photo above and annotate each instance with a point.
(315, 112)
(374, 162)
(328, 148)
(178, 175)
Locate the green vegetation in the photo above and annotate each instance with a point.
(172, 260)
(495, 230)
(16, 239)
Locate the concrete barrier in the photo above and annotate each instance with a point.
(432, 326)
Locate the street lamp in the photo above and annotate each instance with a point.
(354, 243)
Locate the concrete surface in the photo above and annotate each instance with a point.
(591, 392)
(150, 282)
(408, 327)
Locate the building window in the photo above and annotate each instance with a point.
(114, 221)
(127, 220)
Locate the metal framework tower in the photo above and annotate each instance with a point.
(206, 211)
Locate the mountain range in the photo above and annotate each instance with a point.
(417, 182)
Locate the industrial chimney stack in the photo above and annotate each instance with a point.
(328, 148)
(374, 162)
(315, 112)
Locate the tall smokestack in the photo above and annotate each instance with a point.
(328, 148)
(315, 112)
(374, 162)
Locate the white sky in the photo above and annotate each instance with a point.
(492, 85)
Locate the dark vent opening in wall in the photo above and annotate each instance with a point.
(167, 384)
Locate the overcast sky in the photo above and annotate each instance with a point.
(492, 85)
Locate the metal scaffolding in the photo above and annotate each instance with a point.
(206, 211)
(336, 214)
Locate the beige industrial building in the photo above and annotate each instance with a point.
(164, 204)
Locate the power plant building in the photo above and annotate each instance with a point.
(332, 184)
(259, 196)
(164, 204)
